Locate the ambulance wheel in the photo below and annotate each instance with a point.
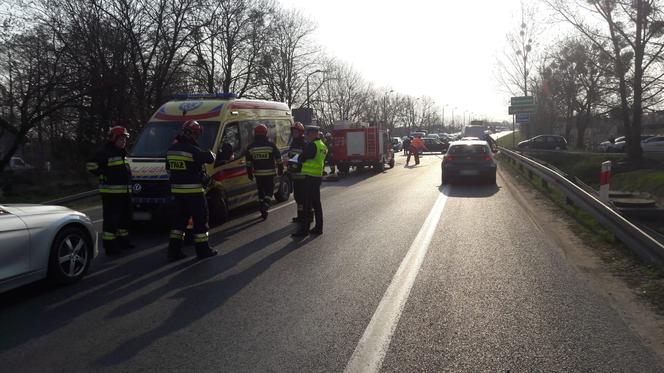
(218, 208)
(284, 190)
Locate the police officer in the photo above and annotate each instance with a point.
(262, 156)
(295, 148)
(111, 165)
(313, 162)
(185, 162)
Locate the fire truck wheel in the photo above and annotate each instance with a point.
(344, 168)
(380, 166)
(218, 208)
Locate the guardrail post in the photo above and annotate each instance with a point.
(604, 181)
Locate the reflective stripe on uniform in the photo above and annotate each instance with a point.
(187, 188)
(269, 172)
(108, 236)
(116, 161)
(201, 237)
(175, 155)
(122, 233)
(91, 166)
(177, 234)
(114, 189)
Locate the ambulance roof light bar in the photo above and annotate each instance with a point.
(220, 96)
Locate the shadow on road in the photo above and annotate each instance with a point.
(198, 298)
(470, 190)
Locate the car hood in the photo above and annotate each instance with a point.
(28, 210)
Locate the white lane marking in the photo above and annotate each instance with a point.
(372, 347)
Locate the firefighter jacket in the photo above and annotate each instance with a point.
(185, 162)
(295, 148)
(262, 156)
(313, 158)
(110, 164)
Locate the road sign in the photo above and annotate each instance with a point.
(523, 118)
(522, 109)
(522, 100)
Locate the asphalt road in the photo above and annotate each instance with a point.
(408, 276)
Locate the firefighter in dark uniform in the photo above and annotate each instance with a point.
(295, 148)
(262, 156)
(313, 161)
(329, 160)
(111, 165)
(185, 162)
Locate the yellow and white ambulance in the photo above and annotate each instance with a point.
(225, 120)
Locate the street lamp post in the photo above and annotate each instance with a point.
(309, 75)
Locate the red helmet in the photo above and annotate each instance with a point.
(116, 132)
(260, 130)
(191, 127)
(298, 126)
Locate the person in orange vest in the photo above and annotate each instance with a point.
(415, 146)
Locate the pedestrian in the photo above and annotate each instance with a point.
(262, 156)
(185, 163)
(406, 145)
(295, 149)
(329, 160)
(416, 145)
(313, 161)
(110, 164)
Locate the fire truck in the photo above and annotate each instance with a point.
(361, 145)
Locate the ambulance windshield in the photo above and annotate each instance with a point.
(156, 137)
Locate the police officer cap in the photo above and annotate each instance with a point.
(310, 129)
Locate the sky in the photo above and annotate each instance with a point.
(439, 48)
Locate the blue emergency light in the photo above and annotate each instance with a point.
(219, 95)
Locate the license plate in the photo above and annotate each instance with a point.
(142, 215)
(468, 172)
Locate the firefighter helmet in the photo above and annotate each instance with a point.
(191, 128)
(118, 131)
(298, 126)
(260, 130)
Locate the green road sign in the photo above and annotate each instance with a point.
(522, 109)
(522, 100)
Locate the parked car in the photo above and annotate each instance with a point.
(653, 144)
(472, 160)
(544, 142)
(41, 241)
(435, 145)
(397, 144)
(619, 146)
(608, 146)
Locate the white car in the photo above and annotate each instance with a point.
(608, 146)
(38, 241)
(653, 144)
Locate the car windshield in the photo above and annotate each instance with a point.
(156, 137)
(468, 149)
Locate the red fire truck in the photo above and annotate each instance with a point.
(361, 145)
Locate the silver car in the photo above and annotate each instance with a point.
(38, 241)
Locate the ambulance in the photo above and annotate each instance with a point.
(225, 120)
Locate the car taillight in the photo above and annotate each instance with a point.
(448, 159)
(488, 158)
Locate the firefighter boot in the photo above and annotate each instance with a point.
(263, 209)
(203, 250)
(175, 250)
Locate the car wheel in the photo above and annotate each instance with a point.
(218, 208)
(492, 179)
(284, 189)
(71, 255)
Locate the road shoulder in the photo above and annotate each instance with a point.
(557, 226)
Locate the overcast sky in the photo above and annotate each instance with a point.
(440, 48)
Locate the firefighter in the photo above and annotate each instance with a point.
(111, 165)
(262, 156)
(416, 146)
(295, 148)
(313, 161)
(329, 161)
(185, 163)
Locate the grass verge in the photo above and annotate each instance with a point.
(646, 280)
(507, 140)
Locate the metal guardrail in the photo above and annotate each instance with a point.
(72, 198)
(641, 243)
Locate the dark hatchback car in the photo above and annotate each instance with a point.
(435, 145)
(544, 142)
(469, 160)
